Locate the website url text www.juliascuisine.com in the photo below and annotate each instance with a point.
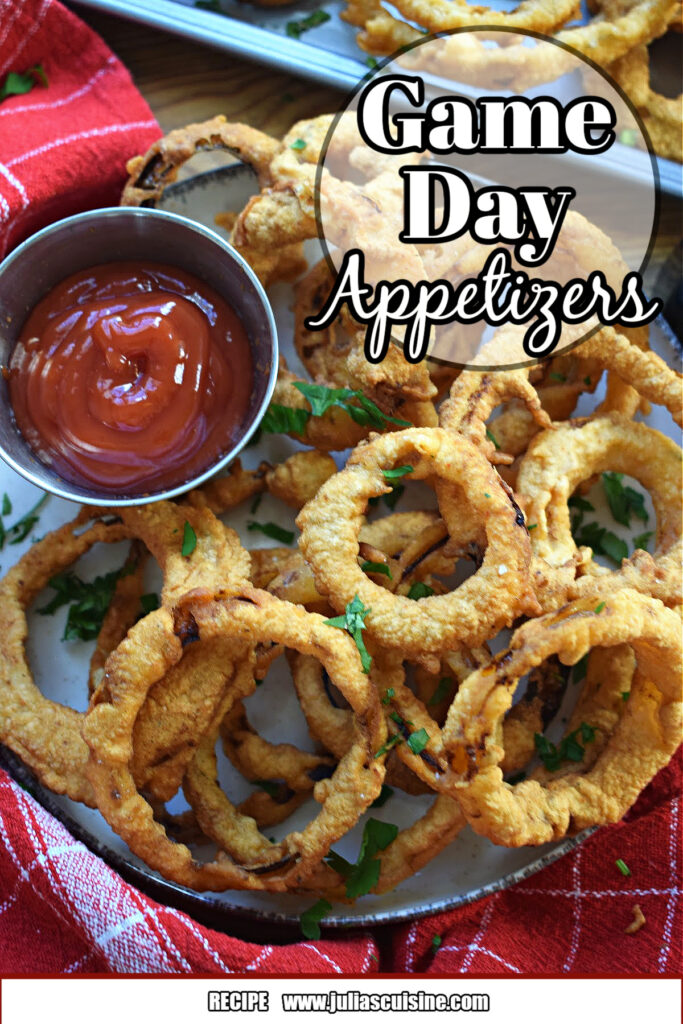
(353, 1001)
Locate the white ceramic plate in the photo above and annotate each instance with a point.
(468, 869)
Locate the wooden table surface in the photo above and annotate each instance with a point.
(183, 81)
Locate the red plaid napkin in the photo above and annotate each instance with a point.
(62, 910)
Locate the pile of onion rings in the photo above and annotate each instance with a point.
(386, 620)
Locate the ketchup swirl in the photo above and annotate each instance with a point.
(131, 377)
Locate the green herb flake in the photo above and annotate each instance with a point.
(559, 377)
(384, 794)
(20, 530)
(486, 494)
(258, 498)
(18, 83)
(296, 28)
(371, 62)
(628, 137)
(388, 696)
(6, 505)
(298, 144)
(273, 531)
(436, 942)
(441, 692)
(392, 499)
(624, 502)
(189, 540)
(393, 742)
(149, 603)
(579, 670)
(601, 540)
(625, 694)
(587, 381)
(599, 607)
(420, 590)
(642, 540)
(531, 526)
(397, 473)
(365, 413)
(87, 602)
(281, 419)
(311, 918)
(417, 741)
(569, 748)
(623, 867)
(353, 620)
(363, 876)
(580, 503)
(492, 439)
(379, 568)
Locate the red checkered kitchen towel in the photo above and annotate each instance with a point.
(62, 910)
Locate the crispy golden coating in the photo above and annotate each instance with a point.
(331, 525)
(644, 737)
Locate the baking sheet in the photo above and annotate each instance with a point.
(260, 33)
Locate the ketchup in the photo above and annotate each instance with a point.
(131, 377)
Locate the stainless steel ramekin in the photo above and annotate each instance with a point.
(116, 234)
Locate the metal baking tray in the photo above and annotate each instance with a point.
(327, 53)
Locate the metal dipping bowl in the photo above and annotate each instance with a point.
(112, 235)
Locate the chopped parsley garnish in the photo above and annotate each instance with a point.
(486, 494)
(371, 62)
(189, 540)
(582, 504)
(623, 867)
(599, 607)
(601, 540)
(436, 942)
(580, 668)
(388, 695)
(417, 741)
(420, 590)
(353, 620)
(393, 742)
(88, 602)
(492, 439)
(531, 526)
(559, 377)
(273, 531)
(397, 473)
(365, 413)
(258, 498)
(442, 690)
(298, 144)
(623, 501)
(569, 748)
(18, 83)
(363, 876)
(20, 530)
(384, 794)
(380, 568)
(281, 419)
(392, 498)
(642, 540)
(311, 918)
(625, 694)
(296, 28)
(587, 381)
(149, 603)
